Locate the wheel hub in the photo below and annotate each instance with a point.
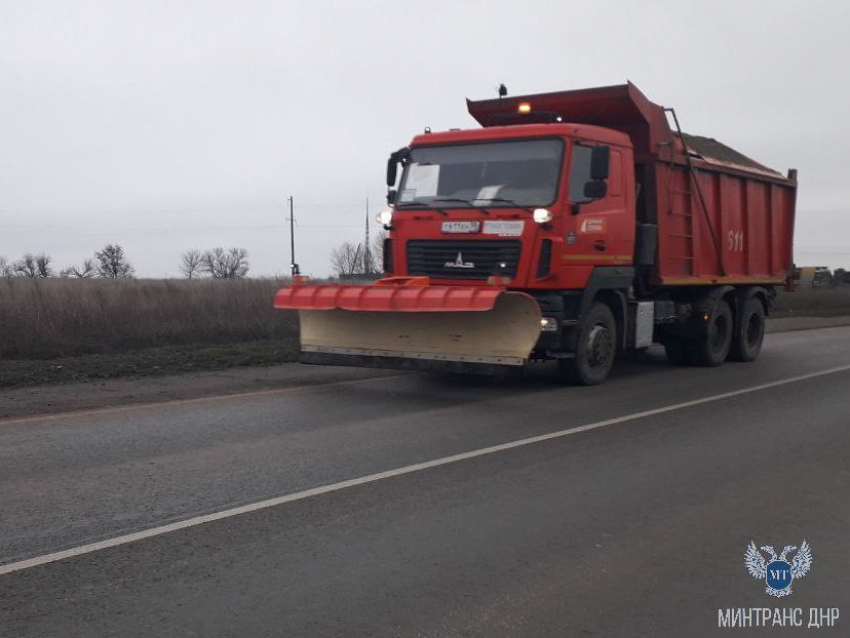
(598, 345)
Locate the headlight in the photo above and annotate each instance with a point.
(549, 324)
(542, 215)
(385, 217)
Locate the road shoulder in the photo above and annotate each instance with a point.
(95, 394)
(90, 395)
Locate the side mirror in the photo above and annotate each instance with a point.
(401, 155)
(391, 195)
(392, 170)
(599, 157)
(595, 189)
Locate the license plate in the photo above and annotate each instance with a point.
(461, 227)
(503, 228)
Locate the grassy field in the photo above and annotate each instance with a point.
(58, 330)
(813, 302)
(50, 318)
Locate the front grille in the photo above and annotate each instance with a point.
(467, 259)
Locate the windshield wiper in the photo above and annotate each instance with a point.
(421, 205)
(468, 202)
(505, 201)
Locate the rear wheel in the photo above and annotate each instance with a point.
(595, 349)
(749, 336)
(713, 348)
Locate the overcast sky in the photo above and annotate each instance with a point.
(168, 125)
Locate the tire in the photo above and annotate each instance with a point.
(676, 352)
(596, 348)
(713, 348)
(749, 335)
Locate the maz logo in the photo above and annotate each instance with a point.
(459, 263)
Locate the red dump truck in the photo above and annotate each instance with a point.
(570, 227)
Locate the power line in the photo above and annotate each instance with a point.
(191, 209)
(159, 230)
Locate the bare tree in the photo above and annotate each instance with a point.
(33, 266)
(191, 264)
(220, 263)
(6, 269)
(113, 264)
(378, 250)
(86, 271)
(25, 267)
(346, 259)
(42, 263)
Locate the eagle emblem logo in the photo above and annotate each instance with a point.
(778, 572)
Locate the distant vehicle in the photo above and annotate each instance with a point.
(823, 278)
(572, 226)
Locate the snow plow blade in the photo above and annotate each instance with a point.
(414, 326)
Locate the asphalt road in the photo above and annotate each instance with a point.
(633, 526)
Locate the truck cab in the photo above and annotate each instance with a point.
(535, 206)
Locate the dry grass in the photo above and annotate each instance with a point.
(816, 302)
(48, 318)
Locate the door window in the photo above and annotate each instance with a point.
(579, 172)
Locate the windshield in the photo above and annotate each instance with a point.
(523, 173)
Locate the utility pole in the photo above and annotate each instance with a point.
(367, 249)
(292, 265)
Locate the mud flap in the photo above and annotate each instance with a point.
(502, 336)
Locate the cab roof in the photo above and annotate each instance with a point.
(523, 131)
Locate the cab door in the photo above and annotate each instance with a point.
(600, 230)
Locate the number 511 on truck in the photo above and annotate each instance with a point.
(571, 226)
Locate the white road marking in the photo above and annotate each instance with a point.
(372, 478)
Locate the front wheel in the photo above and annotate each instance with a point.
(595, 350)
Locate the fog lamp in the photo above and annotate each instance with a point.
(548, 324)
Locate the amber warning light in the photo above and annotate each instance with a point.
(524, 107)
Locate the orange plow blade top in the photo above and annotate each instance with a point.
(392, 325)
(388, 298)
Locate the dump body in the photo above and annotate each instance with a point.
(736, 228)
